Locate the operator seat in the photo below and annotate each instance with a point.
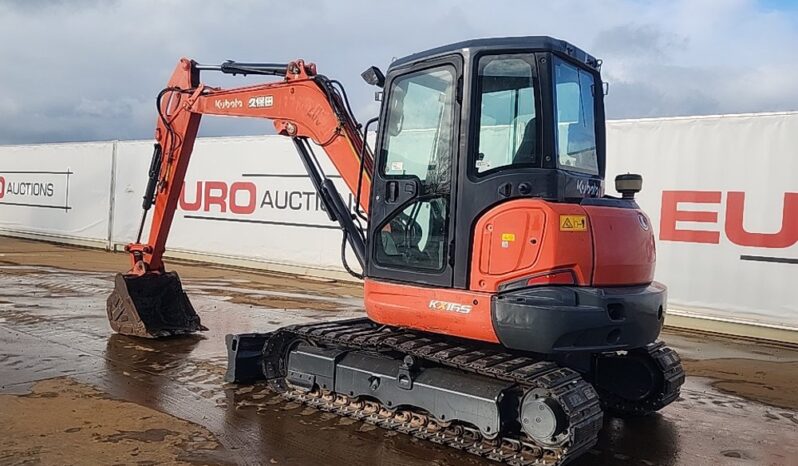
(526, 150)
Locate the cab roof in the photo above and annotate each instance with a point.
(532, 43)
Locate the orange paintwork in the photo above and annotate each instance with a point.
(297, 106)
(521, 238)
(423, 308)
(624, 246)
(299, 109)
(517, 240)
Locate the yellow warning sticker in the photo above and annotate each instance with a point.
(573, 223)
(508, 236)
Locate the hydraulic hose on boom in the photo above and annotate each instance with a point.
(306, 106)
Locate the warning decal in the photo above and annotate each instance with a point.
(573, 223)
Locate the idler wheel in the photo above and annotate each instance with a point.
(542, 418)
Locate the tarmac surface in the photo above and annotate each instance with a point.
(71, 392)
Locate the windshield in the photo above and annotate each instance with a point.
(507, 125)
(419, 126)
(418, 142)
(576, 124)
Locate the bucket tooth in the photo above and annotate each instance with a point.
(151, 306)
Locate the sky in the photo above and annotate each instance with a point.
(82, 70)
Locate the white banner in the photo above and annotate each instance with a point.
(57, 191)
(722, 193)
(248, 198)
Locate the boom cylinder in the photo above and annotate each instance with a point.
(273, 69)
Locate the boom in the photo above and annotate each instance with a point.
(304, 105)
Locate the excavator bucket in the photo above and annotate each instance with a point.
(151, 306)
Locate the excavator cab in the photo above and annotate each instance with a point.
(471, 125)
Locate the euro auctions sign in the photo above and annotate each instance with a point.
(35, 189)
(730, 254)
(58, 192)
(703, 207)
(722, 194)
(285, 200)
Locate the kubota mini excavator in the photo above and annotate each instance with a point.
(508, 299)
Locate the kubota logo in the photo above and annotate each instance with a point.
(260, 101)
(587, 188)
(436, 305)
(224, 104)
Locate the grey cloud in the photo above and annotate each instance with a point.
(38, 5)
(90, 69)
(646, 100)
(646, 42)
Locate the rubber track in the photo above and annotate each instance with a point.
(577, 397)
(669, 363)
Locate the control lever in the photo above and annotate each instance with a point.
(392, 191)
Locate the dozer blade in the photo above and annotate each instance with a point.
(151, 306)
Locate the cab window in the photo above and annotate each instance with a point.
(419, 142)
(508, 127)
(418, 128)
(576, 123)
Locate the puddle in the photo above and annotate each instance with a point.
(136, 393)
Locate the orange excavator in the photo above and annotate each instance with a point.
(509, 301)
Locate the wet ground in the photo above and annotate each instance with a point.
(73, 393)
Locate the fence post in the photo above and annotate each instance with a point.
(112, 198)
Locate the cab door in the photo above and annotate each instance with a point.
(411, 222)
